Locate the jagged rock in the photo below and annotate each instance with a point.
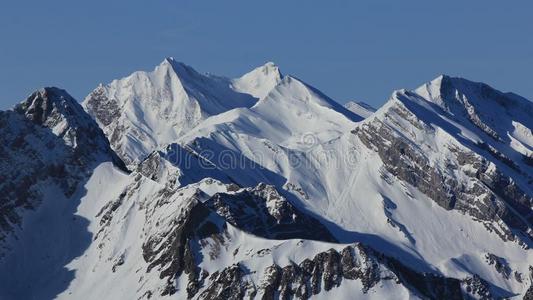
(490, 195)
(228, 284)
(529, 293)
(46, 137)
(327, 270)
(179, 226)
(500, 264)
(171, 252)
(477, 288)
(264, 212)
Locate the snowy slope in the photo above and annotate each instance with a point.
(290, 113)
(147, 110)
(49, 148)
(259, 81)
(366, 194)
(264, 187)
(502, 120)
(360, 108)
(145, 235)
(46, 138)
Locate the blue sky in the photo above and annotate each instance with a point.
(348, 49)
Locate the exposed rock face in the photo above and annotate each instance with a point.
(326, 271)
(46, 138)
(25, 164)
(229, 283)
(56, 110)
(103, 109)
(489, 195)
(180, 245)
(452, 155)
(529, 293)
(477, 288)
(264, 212)
(173, 252)
(171, 241)
(500, 264)
(483, 106)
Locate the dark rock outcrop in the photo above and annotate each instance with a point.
(494, 196)
(46, 138)
(264, 212)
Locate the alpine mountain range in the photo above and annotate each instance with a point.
(173, 184)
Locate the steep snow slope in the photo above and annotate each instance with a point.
(292, 112)
(150, 241)
(270, 140)
(259, 81)
(46, 138)
(395, 180)
(502, 120)
(49, 147)
(147, 110)
(273, 190)
(360, 108)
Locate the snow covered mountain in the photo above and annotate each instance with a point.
(47, 139)
(264, 187)
(360, 108)
(49, 147)
(147, 110)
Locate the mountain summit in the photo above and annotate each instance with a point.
(263, 187)
(259, 81)
(147, 110)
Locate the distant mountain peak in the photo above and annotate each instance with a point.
(260, 81)
(172, 61)
(47, 106)
(456, 93)
(270, 68)
(180, 69)
(147, 110)
(264, 187)
(169, 59)
(54, 109)
(270, 64)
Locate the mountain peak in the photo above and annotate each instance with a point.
(145, 110)
(179, 68)
(294, 94)
(449, 92)
(235, 195)
(169, 59)
(47, 105)
(432, 89)
(501, 120)
(270, 67)
(259, 81)
(55, 110)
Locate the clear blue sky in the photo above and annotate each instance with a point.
(348, 49)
